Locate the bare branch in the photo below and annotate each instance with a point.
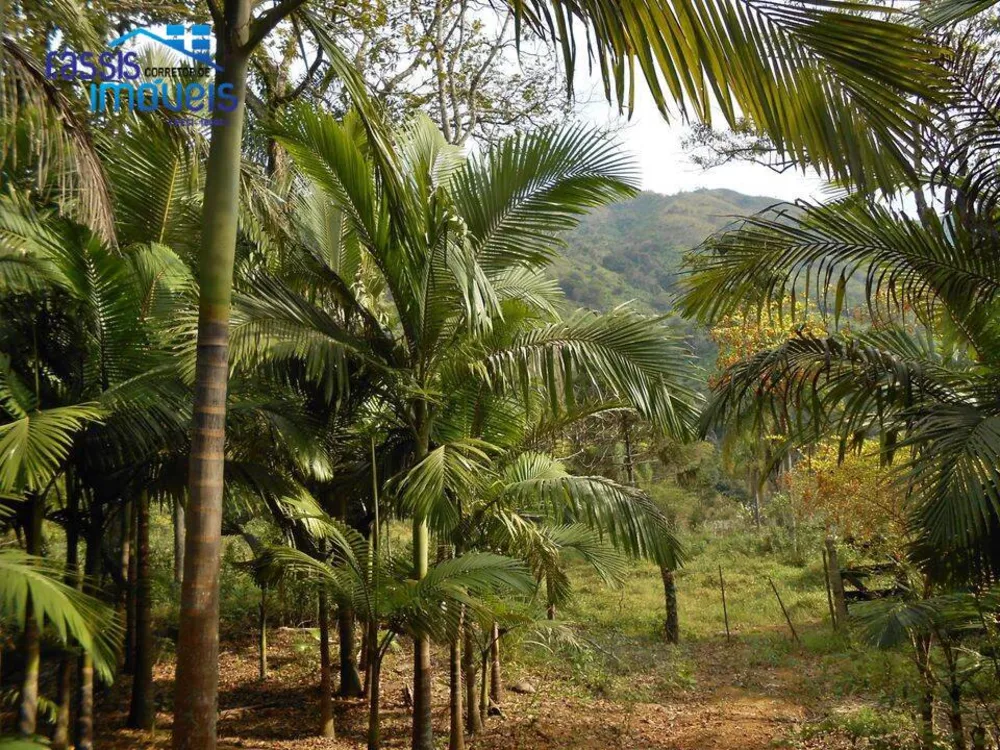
(265, 23)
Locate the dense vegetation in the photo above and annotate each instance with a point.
(322, 342)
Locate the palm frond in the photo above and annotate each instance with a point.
(628, 355)
(75, 616)
(33, 446)
(518, 196)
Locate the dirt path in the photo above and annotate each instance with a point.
(718, 713)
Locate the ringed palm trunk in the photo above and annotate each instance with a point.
(456, 739)
(142, 712)
(325, 669)
(423, 730)
(198, 641)
(27, 720)
(473, 723)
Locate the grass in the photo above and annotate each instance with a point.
(627, 658)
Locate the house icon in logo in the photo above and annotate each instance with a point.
(177, 39)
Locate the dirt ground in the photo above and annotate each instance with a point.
(717, 713)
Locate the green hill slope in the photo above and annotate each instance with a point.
(634, 250)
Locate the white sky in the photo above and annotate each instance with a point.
(665, 166)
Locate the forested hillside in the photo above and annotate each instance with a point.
(634, 251)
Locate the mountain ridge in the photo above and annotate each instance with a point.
(634, 250)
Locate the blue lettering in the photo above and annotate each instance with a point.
(116, 89)
(108, 69)
(130, 67)
(225, 99)
(86, 62)
(195, 96)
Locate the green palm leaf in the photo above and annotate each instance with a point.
(75, 616)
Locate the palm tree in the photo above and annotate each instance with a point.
(458, 244)
(34, 597)
(923, 376)
(382, 591)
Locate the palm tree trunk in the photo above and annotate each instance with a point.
(262, 635)
(61, 735)
(92, 566)
(423, 729)
(484, 699)
(926, 692)
(496, 680)
(129, 573)
(755, 496)
(27, 722)
(325, 669)
(456, 738)
(143, 711)
(550, 598)
(178, 541)
(954, 698)
(350, 678)
(472, 721)
(672, 626)
(195, 706)
(836, 581)
(374, 720)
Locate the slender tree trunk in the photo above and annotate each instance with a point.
(92, 567)
(363, 664)
(456, 737)
(143, 711)
(423, 729)
(473, 723)
(484, 698)
(374, 720)
(926, 697)
(61, 735)
(27, 721)
(325, 669)
(550, 598)
(672, 628)
(629, 460)
(195, 706)
(755, 496)
(262, 634)
(954, 698)
(350, 678)
(178, 541)
(496, 680)
(836, 581)
(130, 573)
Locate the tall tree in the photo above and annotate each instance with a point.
(195, 708)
